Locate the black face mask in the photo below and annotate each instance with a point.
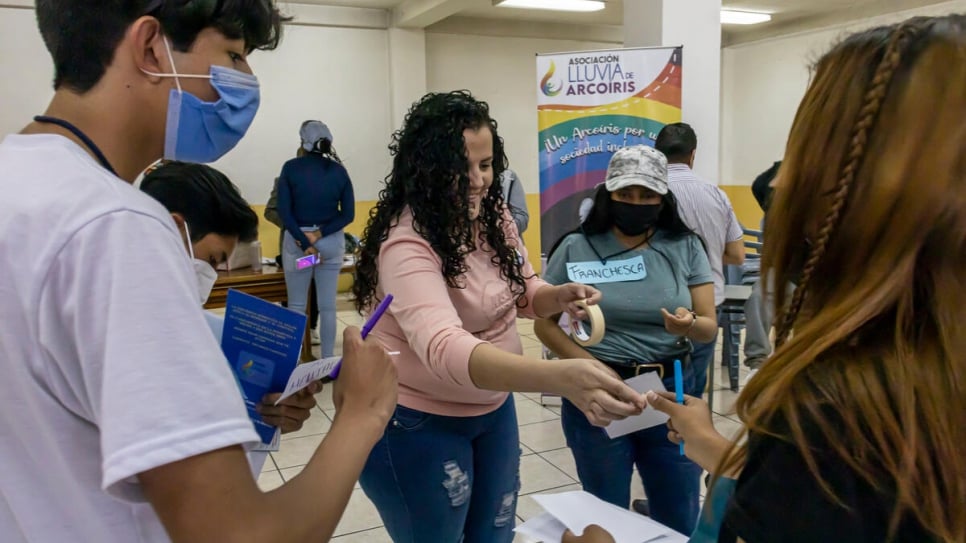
(634, 219)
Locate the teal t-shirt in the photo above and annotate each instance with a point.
(635, 286)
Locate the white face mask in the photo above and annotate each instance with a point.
(205, 274)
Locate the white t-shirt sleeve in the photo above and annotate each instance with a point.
(129, 351)
(733, 227)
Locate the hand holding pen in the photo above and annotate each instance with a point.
(691, 425)
(365, 393)
(366, 329)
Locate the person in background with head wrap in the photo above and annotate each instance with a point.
(315, 203)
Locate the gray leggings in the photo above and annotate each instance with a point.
(331, 249)
(759, 314)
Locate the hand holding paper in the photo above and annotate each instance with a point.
(308, 373)
(649, 417)
(261, 342)
(366, 328)
(368, 386)
(288, 414)
(596, 390)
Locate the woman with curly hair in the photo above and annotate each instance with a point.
(856, 424)
(442, 242)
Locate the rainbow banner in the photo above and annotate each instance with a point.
(588, 106)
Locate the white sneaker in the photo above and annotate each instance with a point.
(315, 336)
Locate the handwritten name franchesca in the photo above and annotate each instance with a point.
(616, 271)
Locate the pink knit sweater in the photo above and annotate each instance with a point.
(435, 328)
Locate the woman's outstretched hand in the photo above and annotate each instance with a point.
(597, 391)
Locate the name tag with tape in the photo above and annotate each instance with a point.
(616, 271)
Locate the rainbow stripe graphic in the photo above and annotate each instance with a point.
(578, 134)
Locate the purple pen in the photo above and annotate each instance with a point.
(366, 328)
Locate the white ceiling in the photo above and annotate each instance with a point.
(612, 14)
(375, 4)
(787, 15)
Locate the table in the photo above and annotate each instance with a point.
(267, 284)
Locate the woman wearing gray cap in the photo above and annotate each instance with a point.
(658, 294)
(315, 202)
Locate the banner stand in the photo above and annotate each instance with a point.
(589, 104)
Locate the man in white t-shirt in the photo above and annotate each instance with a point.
(117, 426)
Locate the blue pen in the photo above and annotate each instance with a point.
(679, 393)
(366, 328)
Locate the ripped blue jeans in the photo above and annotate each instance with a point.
(446, 479)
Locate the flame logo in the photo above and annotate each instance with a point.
(548, 87)
(247, 367)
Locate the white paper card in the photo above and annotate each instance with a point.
(257, 459)
(578, 509)
(305, 374)
(648, 418)
(270, 447)
(544, 527)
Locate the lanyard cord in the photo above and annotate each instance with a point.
(603, 259)
(81, 136)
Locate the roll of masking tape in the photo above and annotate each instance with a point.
(579, 328)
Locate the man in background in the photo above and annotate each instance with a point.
(705, 208)
(760, 306)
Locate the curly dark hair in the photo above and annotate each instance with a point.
(428, 155)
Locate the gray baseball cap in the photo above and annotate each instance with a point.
(638, 165)
(313, 131)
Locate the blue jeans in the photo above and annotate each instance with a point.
(604, 465)
(446, 479)
(702, 356)
(331, 250)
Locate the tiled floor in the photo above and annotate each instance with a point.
(546, 464)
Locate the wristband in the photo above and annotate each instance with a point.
(694, 320)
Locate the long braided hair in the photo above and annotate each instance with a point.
(869, 367)
(867, 116)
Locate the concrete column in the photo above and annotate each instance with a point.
(695, 24)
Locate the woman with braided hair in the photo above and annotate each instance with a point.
(856, 425)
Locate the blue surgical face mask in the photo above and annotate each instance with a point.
(199, 131)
